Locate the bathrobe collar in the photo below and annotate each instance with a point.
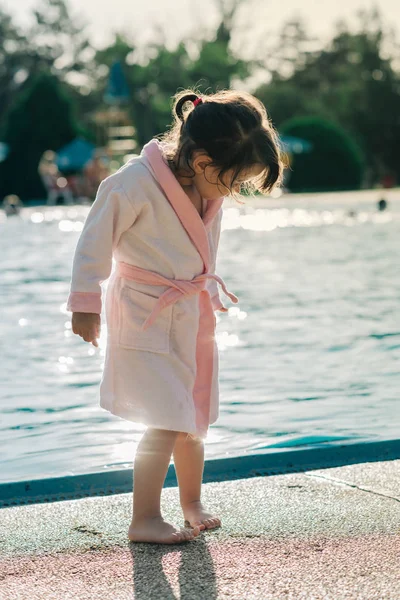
(195, 226)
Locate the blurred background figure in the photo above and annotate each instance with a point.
(83, 166)
(12, 205)
(56, 185)
(94, 172)
(389, 180)
(382, 204)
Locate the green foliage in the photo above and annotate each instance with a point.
(52, 43)
(350, 81)
(353, 80)
(216, 65)
(41, 119)
(12, 49)
(334, 163)
(153, 84)
(283, 100)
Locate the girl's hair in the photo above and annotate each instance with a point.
(233, 128)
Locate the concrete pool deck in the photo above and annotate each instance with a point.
(322, 533)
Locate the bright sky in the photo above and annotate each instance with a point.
(180, 17)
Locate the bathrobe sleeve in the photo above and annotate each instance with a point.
(111, 214)
(212, 284)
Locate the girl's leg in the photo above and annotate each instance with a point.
(189, 466)
(151, 464)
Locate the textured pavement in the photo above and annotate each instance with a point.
(328, 533)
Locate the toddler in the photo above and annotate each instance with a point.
(159, 217)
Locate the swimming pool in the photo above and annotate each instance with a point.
(310, 356)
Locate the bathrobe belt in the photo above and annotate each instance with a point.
(177, 287)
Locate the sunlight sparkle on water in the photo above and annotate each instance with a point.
(58, 213)
(227, 340)
(214, 436)
(260, 221)
(122, 455)
(66, 360)
(64, 363)
(270, 219)
(66, 225)
(37, 217)
(327, 216)
(234, 311)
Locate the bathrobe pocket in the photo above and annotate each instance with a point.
(135, 307)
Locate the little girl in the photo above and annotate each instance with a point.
(159, 217)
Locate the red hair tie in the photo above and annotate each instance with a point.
(197, 101)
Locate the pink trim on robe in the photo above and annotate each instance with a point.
(177, 287)
(86, 302)
(195, 226)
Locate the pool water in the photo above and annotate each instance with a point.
(310, 356)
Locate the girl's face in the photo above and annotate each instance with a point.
(208, 184)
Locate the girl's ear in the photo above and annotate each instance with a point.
(200, 162)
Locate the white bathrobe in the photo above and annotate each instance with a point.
(161, 364)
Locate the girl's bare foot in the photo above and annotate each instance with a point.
(157, 531)
(196, 516)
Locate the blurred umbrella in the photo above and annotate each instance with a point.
(117, 91)
(295, 145)
(3, 151)
(75, 155)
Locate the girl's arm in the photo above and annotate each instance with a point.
(111, 214)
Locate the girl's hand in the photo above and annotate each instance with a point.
(87, 325)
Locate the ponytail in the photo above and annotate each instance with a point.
(181, 100)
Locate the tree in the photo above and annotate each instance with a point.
(60, 44)
(153, 83)
(351, 82)
(291, 51)
(55, 43)
(334, 163)
(216, 64)
(42, 119)
(12, 49)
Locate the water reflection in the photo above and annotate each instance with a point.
(65, 225)
(269, 219)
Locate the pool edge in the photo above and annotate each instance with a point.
(73, 487)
